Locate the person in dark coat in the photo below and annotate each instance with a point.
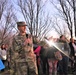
(72, 53)
(44, 61)
(63, 64)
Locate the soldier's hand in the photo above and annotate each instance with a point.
(28, 41)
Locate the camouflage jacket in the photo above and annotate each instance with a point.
(22, 47)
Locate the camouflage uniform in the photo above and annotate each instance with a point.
(23, 58)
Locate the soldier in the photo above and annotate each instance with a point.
(23, 58)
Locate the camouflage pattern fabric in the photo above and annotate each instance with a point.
(23, 59)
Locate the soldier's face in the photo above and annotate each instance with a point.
(22, 28)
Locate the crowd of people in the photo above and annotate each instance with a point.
(55, 58)
(31, 57)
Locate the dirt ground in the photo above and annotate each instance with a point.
(7, 71)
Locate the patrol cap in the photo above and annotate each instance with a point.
(21, 23)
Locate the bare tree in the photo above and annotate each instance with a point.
(67, 10)
(38, 22)
(7, 21)
(2, 7)
(57, 26)
(60, 27)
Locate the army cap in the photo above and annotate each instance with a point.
(21, 23)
